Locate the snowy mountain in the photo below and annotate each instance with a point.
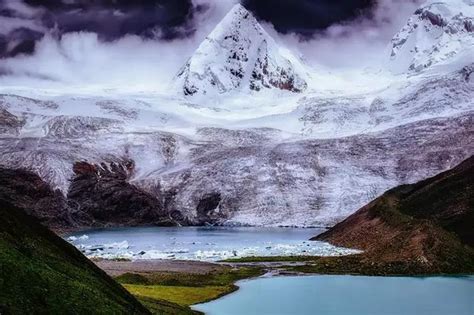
(259, 158)
(437, 32)
(240, 55)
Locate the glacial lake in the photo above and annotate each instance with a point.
(200, 243)
(347, 295)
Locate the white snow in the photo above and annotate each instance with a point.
(438, 32)
(239, 55)
(276, 157)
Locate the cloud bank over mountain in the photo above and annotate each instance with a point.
(145, 42)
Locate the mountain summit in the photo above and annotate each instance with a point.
(239, 55)
(436, 32)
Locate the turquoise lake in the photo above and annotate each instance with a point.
(348, 295)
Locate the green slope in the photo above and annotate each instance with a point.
(42, 274)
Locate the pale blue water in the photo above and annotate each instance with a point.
(348, 295)
(199, 243)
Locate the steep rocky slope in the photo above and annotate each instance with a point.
(98, 196)
(239, 55)
(29, 192)
(437, 32)
(425, 227)
(103, 196)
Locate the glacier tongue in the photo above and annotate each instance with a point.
(267, 158)
(239, 55)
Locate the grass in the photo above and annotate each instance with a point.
(43, 274)
(217, 278)
(184, 296)
(186, 289)
(162, 307)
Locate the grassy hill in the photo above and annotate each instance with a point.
(42, 274)
(427, 227)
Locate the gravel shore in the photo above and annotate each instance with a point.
(117, 268)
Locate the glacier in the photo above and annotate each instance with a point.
(244, 149)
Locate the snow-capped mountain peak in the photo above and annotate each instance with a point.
(435, 33)
(239, 55)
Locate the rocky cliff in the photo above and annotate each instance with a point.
(239, 55)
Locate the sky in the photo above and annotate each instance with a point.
(147, 41)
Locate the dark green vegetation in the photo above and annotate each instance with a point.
(42, 274)
(186, 288)
(216, 278)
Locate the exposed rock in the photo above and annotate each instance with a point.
(27, 191)
(239, 55)
(428, 225)
(207, 208)
(9, 123)
(105, 197)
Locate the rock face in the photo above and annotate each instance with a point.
(207, 208)
(99, 195)
(9, 123)
(239, 55)
(435, 33)
(27, 191)
(429, 224)
(103, 195)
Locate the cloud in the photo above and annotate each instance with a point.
(131, 56)
(359, 42)
(89, 57)
(305, 17)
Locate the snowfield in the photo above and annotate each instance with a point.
(307, 150)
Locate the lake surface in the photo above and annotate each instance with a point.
(348, 295)
(200, 243)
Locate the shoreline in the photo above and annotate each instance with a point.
(182, 282)
(64, 231)
(209, 281)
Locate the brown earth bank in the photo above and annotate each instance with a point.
(423, 228)
(118, 268)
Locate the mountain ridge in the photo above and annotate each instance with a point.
(238, 55)
(435, 33)
(309, 158)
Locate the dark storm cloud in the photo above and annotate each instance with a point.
(171, 19)
(146, 42)
(306, 17)
(165, 19)
(110, 19)
(154, 19)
